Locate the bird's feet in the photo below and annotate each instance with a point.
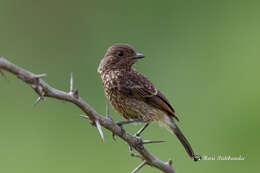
(139, 132)
(121, 123)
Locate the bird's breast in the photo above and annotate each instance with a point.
(110, 83)
(127, 106)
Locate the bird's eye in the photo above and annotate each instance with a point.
(120, 53)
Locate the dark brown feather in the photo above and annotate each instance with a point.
(140, 87)
(169, 107)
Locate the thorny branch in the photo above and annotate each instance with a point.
(45, 90)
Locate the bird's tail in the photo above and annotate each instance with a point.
(170, 124)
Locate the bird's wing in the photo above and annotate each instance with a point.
(140, 87)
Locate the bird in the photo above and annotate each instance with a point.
(134, 96)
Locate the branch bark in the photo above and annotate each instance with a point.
(45, 90)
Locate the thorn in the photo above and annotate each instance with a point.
(151, 141)
(169, 162)
(84, 116)
(71, 83)
(99, 129)
(40, 98)
(40, 75)
(73, 92)
(91, 121)
(97, 125)
(2, 74)
(139, 167)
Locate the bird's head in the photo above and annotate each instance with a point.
(119, 56)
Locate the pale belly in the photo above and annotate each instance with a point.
(133, 109)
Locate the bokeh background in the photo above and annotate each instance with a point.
(203, 55)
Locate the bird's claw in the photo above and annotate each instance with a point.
(121, 123)
(137, 134)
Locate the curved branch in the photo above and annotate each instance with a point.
(45, 90)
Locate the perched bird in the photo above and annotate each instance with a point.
(132, 95)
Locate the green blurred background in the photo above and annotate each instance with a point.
(203, 55)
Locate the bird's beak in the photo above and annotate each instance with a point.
(138, 56)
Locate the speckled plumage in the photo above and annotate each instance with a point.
(132, 95)
(124, 101)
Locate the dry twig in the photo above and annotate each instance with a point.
(45, 90)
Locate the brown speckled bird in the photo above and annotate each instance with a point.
(132, 95)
